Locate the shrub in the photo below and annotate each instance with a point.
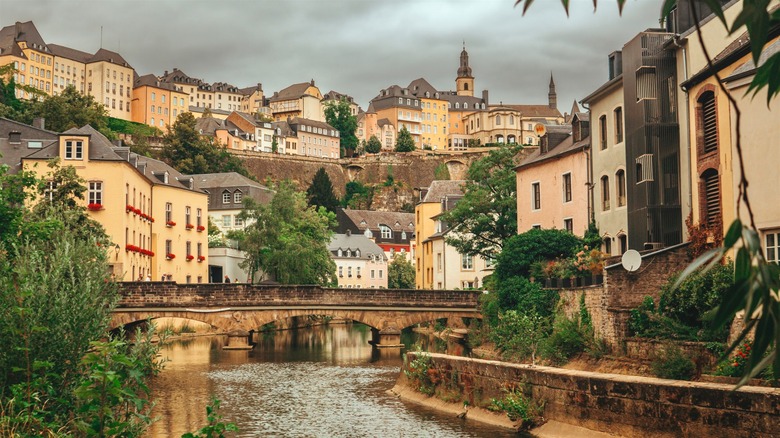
(518, 335)
(518, 407)
(418, 372)
(639, 318)
(522, 250)
(518, 293)
(568, 338)
(696, 296)
(672, 363)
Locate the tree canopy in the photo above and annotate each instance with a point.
(320, 192)
(373, 145)
(486, 216)
(400, 273)
(339, 115)
(404, 142)
(287, 239)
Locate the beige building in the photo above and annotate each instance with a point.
(150, 211)
(310, 138)
(434, 200)
(252, 100)
(262, 131)
(157, 103)
(360, 263)
(451, 269)
(33, 60)
(302, 100)
(608, 159)
(552, 182)
(369, 125)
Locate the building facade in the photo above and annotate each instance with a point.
(360, 263)
(392, 231)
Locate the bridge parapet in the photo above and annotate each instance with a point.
(171, 294)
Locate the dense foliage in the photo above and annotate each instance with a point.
(320, 192)
(400, 273)
(404, 142)
(339, 115)
(486, 217)
(358, 196)
(288, 240)
(373, 145)
(522, 250)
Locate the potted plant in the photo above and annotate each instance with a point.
(189, 226)
(129, 208)
(201, 228)
(170, 224)
(170, 256)
(190, 257)
(201, 258)
(95, 206)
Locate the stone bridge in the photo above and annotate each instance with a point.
(240, 308)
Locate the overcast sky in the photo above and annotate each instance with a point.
(355, 47)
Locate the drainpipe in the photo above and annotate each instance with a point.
(589, 170)
(676, 42)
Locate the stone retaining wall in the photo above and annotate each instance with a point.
(623, 405)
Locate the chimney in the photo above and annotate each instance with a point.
(348, 233)
(259, 86)
(15, 137)
(166, 73)
(39, 122)
(18, 30)
(312, 82)
(485, 97)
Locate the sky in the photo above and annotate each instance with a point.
(355, 47)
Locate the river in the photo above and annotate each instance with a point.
(321, 381)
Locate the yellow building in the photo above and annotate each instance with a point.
(401, 109)
(157, 103)
(252, 99)
(435, 199)
(433, 115)
(298, 100)
(22, 46)
(148, 209)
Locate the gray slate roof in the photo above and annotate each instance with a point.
(355, 242)
(441, 189)
(11, 154)
(397, 221)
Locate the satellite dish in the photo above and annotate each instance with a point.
(631, 260)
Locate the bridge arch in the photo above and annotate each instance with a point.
(456, 168)
(353, 170)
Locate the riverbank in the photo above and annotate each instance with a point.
(622, 405)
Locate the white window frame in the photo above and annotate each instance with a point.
(95, 192)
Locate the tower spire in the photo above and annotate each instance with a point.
(464, 82)
(552, 97)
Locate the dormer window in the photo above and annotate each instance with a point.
(340, 253)
(165, 177)
(357, 253)
(237, 197)
(387, 233)
(74, 150)
(226, 197)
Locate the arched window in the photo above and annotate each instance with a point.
(340, 253)
(620, 187)
(618, 125)
(708, 123)
(499, 138)
(511, 119)
(498, 120)
(605, 193)
(511, 138)
(387, 233)
(466, 86)
(710, 204)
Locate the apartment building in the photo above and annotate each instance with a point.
(156, 103)
(303, 100)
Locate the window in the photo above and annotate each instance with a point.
(568, 225)
(95, 192)
(357, 271)
(238, 222)
(341, 270)
(226, 220)
(189, 248)
(618, 125)
(466, 262)
(226, 197)
(187, 215)
(708, 123)
(607, 246)
(73, 149)
(48, 193)
(198, 217)
(200, 250)
(536, 196)
(168, 212)
(620, 186)
(349, 271)
(603, 131)
(644, 168)
(604, 193)
(623, 240)
(438, 262)
(373, 274)
(237, 197)
(772, 246)
(387, 233)
(709, 190)
(498, 120)
(567, 187)
(168, 246)
(381, 273)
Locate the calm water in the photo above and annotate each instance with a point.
(317, 382)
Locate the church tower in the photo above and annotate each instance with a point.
(464, 82)
(552, 98)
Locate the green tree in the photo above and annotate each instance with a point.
(188, 153)
(373, 145)
(339, 115)
(72, 109)
(400, 273)
(358, 196)
(404, 142)
(522, 250)
(320, 192)
(442, 173)
(287, 239)
(486, 216)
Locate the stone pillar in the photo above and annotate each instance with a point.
(238, 340)
(387, 342)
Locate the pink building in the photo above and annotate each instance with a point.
(552, 182)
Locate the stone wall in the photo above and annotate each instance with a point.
(609, 304)
(215, 295)
(647, 350)
(622, 405)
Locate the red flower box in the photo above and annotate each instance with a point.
(189, 226)
(201, 258)
(190, 257)
(170, 256)
(170, 224)
(201, 228)
(129, 208)
(95, 207)
(137, 211)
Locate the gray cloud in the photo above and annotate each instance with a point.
(353, 46)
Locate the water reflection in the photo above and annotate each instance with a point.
(323, 381)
